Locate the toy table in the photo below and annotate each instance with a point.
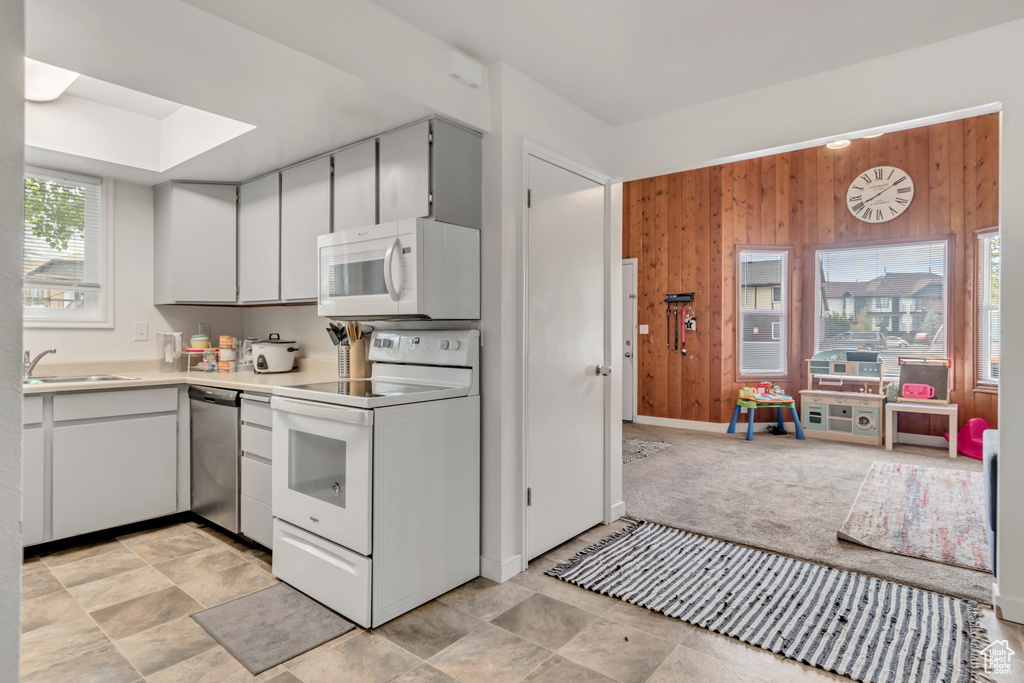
(752, 403)
(949, 411)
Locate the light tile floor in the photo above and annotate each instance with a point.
(117, 611)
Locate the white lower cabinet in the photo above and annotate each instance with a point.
(33, 453)
(113, 472)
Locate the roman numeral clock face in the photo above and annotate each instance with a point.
(880, 194)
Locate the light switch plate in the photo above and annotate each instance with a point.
(141, 332)
(643, 329)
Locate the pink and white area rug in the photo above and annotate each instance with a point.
(928, 512)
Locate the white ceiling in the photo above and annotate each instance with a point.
(626, 60)
(300, 106)
(313, 75)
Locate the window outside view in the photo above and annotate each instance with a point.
(890, 299)
(61, 248)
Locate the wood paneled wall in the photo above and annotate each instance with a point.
(684, 229)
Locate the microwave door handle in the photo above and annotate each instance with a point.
(389, 279)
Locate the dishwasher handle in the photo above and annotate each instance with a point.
(220, 397)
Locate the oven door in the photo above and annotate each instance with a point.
(322, 469)
(368, 271)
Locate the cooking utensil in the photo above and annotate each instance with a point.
(334, 335)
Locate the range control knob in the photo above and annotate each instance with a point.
(455, 345)
(378, 342)
(388, 343)
(444, 344)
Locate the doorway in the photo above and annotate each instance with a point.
(566, 369)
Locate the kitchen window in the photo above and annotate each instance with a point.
(988, 309)
(896, 291)
(763, 286)
(64, 251)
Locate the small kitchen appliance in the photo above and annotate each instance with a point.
(376, 482)
(274, 355)
(171, 351)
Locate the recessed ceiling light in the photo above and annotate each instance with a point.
(45, 82)
(876, 135)
(838, 144)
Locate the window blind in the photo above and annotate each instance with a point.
(988, 308)
(62, 236)
(763, 307)
(886, 298)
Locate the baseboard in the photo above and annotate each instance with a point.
(500, 572)
(919, 440)
(717, 427)
(618, 510)
(1010, 609)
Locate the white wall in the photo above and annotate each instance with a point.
(968, 71)
(300, 323)
(521, 110)
(12, 47)
(132, 213)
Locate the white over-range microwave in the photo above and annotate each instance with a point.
(413, 268)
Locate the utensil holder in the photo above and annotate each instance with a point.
(358, 367)
(343, 360)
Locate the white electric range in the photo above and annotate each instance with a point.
(376, 483)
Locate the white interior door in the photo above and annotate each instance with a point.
(565, 328)
(629, 339)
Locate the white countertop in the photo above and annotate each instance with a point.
(309, 371)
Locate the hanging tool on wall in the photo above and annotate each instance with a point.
(682, 323)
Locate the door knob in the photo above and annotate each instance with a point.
(628, 354)
(603, 370)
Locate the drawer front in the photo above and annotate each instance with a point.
(257, 521)
(814, 417)
(258, 441)
(99, 404)
(865, 421)
(328, 573)
(32, 410)
(256, 479)
(257, 413)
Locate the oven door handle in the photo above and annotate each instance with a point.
(310, 409)
(389, 278)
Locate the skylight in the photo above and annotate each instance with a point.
(99, 120)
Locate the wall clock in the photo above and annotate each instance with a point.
(880, 194)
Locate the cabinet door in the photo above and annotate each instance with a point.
(355, 186)
(110, 473)
(196, 243)
(259, 240)
(405, 173)
(32, 453)
(305, 214)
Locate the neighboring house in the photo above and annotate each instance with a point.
(898, 302)
(761, 287)
(55, 270)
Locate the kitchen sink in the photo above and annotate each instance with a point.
(79, 378)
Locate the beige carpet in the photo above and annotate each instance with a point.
(783, 495)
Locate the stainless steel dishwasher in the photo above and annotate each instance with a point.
(215, 455)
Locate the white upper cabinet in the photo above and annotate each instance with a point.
(194, 243)
(305, 214)
(355, 186)
(431, 169)
(259, 240)
(405, 173)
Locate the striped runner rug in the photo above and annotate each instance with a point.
(850, 624)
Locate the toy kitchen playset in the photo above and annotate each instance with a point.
(844, 398)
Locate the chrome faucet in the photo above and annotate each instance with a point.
(30, 365)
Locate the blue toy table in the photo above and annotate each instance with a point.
(751, 404)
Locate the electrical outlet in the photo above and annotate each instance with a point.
(141, 332)
(204, 328)
(643, 329)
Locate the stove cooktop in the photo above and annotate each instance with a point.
(370, 393)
